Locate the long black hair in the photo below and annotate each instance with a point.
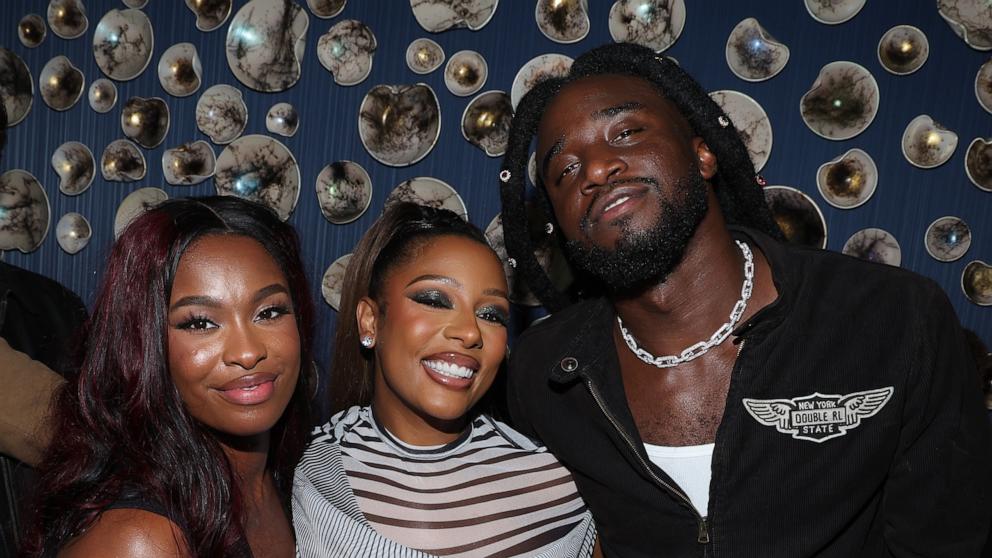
(737, 190)
(123, 427)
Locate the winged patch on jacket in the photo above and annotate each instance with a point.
(817, 417)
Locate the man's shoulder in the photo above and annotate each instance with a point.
(825, 271)
(561, 325)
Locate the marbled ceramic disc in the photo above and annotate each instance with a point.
(61, 84)
(210, 14)
(326, 8)
(16, 86)
(562, 21)
(874, 245)
(465, 73)
(535, 70)
(123, 43)
(751, 122)
(978, 163)
(486, 122)
(753, 54)
(976, 282)
(333, 281)
(67, 18)
(344, 191)
(122, 161)
(221, 113)
(25, 213)
(797, 215)
(102, 95)
(282, 119)
(903, 49)
(947, 239)
(76, 167)
(430, 192)
(346, 51)
(842, 101)
(656, 24)
(261, 169)
(928, 144)
(970, 19)
(265, 44)
(440, 15)
(179, 70)
(833, 12)
(983, 85)
(73, 232)
(848, 181)
(188, 164)
(399, 124)
(136, 203)
(423, 56)
(31, 30)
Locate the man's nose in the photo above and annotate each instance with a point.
(601, 170)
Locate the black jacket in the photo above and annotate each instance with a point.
(811, 466)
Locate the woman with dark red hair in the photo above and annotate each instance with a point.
(179, 433)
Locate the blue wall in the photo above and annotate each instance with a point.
(906, 201)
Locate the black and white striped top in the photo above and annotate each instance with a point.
(361, 492)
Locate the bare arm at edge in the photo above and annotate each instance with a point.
(24, 404)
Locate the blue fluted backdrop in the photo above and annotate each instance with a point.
(906, 201)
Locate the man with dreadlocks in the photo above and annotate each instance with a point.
(834, 413)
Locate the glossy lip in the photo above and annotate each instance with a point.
(251, 389)
(598, 210)
(453, 358)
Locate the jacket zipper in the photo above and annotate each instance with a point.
(703, 532)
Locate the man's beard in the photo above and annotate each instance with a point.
(647, 256)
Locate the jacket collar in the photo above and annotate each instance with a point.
(590, 351)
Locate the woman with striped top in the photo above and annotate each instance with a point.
(410, 466)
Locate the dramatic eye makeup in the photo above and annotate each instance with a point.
(431, 297)
(494, 314)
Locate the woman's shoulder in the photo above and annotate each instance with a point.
(509, 434)
(343, 422)
(129, 532)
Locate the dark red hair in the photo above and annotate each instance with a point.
(121, 425)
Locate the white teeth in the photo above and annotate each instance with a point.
(449, 369)
(618, 201)
(250, 388)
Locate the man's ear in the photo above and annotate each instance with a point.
(705, 158)
(366, 313)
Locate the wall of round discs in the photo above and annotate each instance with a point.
(872, 125)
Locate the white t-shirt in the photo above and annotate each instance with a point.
(689, 467)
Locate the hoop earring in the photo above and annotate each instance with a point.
(316, 380)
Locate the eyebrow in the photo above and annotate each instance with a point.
(433, 277)
(496, 292)
(622, 108)
(210, 302)
(453, 282)
(266, 292)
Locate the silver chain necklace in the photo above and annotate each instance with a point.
(718, 336)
